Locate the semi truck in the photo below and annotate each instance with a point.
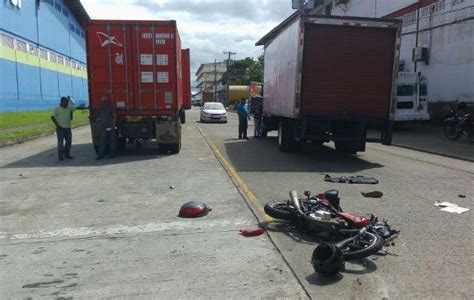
(411, 98)
(139, 66)
(329, 79)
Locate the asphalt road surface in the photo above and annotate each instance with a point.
(432, 257)
(100, 229)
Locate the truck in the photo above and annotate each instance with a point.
(411, 98)
(138, 65)
(329, 79)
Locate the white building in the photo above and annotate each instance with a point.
(209, 78)
(443, 30)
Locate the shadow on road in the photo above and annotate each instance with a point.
(360, 267)
(292, 232)
(84, 155)
(262, 155)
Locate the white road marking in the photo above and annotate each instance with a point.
(124, 229)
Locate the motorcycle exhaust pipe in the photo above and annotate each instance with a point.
(296, 202)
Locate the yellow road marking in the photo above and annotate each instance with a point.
(233, 174)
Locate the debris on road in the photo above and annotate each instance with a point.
(252, 232)
(373, 194)
(193, 209)
(172, 187)
(461, 196)
(359, 179)
(450, 207)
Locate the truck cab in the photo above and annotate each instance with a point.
(411, 98)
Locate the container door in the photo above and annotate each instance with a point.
(109, 65)
(154, 65)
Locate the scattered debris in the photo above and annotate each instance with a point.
(450, 207)
(252, 232)
(373, 194)
(461, 196)
(352, 179)
(101, 200)
(172, 187)
(20, 174)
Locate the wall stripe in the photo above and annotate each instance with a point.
(33, 60)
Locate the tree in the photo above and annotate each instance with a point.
(243, 71)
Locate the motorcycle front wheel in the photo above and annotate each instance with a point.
(368, 244)
(279, 210)
(451, 131)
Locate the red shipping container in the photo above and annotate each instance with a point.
(136, 64)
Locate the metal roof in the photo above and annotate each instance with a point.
(76, 8)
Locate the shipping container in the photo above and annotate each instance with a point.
(328, 78)
(138, 66)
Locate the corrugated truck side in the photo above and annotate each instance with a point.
(328, 78)
(137, 65)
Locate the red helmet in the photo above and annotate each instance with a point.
(193, 210)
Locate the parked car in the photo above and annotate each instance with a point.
(213, 112)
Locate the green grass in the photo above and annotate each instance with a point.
(40, 118)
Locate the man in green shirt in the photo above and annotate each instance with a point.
(61, 117)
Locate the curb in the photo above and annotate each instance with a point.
(16, 141)
(433, 152)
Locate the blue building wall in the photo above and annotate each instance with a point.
(31, 76)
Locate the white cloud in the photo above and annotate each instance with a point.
(207, 27)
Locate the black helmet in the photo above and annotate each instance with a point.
(327, 259)
(333, 197)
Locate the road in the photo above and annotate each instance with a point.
(99, 229)
(433, 256)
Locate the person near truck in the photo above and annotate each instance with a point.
(244, 117)
(61, 117)
(107, 128)
(257, 121)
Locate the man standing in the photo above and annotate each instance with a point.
(107, 127)
(61, 117)
(243, 112)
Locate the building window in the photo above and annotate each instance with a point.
(7, 41)
(33, 50)
(20, 46)
(409, 19)
(43, 54)
(65, 12)
(57, 5)
(16, 3)
(456, 2)
(52, 57)
(67, 62)
(60, 60)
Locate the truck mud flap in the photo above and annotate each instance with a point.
(168, 132)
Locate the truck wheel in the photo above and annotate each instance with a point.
(174, 148)
(286, 137)
(346, 147)
(182, 116)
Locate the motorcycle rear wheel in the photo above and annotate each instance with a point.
(451, 131)
(279, 210)
(368, 245)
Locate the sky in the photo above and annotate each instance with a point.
(207, 27)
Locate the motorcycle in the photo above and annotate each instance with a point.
(358, 237)
(459, 123)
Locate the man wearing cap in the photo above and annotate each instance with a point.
(107, 127)
(61, 117)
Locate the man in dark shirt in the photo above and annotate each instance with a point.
(107, 128)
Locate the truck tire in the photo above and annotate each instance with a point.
(286, 137)
(182, 116)
(346, 147)
(174, 148)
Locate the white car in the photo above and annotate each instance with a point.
(213, 112)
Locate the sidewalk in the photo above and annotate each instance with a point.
(430, 138)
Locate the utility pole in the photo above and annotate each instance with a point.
(229, 53)
(215, 80)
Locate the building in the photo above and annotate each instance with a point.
(42, 53)
(209, 80)
(439, 32)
